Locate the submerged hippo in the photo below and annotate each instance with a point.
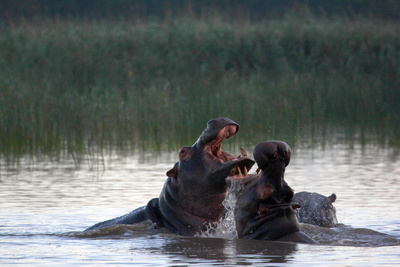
(316, 209)
(191, 199)
(263, 209)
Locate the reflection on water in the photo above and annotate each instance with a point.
(44, 206)
(230, 251)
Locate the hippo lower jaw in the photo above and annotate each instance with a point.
(268, 210)
(271, 224)
(235, 169)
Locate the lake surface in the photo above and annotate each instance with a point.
(45, 205)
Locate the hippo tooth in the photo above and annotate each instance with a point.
(258, 170)
(240, 173)
(245, 171)
(244, 153)
(233, 172)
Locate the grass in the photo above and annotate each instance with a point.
(67, 86)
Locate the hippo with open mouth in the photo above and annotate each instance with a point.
(264, 207)
(191, 199)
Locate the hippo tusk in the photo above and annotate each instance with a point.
(240, 173)
(244, 153)
(245, 171)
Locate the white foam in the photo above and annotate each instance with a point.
(227, 227)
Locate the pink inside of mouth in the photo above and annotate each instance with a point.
(214, 147)
(214, 153)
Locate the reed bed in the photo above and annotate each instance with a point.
(68, 86)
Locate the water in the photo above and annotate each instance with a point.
(44, 207)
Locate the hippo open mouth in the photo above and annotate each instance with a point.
(213, 148)
(234, 167)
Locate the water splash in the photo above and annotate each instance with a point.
(227, 227)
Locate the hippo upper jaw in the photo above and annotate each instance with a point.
(213, 155)
(217, 130)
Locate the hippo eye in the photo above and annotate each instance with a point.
(183, 152)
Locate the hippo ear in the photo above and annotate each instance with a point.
(174, 171)
(332, 197)
(264, 191)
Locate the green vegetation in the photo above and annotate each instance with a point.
(71, 86)
(255, 9)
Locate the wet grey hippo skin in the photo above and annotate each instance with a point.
(316, 209)
(191, 199)
(263, 209)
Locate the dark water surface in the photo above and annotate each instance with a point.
(44, 207)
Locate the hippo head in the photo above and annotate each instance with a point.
(197, 183)
(263, 208)
(205, 166)
(316, 209)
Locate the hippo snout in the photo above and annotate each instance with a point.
(271, 151)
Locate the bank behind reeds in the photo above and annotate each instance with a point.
(70, 85)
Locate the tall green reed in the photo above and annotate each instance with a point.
(69, 86)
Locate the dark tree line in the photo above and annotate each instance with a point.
(256, 9)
